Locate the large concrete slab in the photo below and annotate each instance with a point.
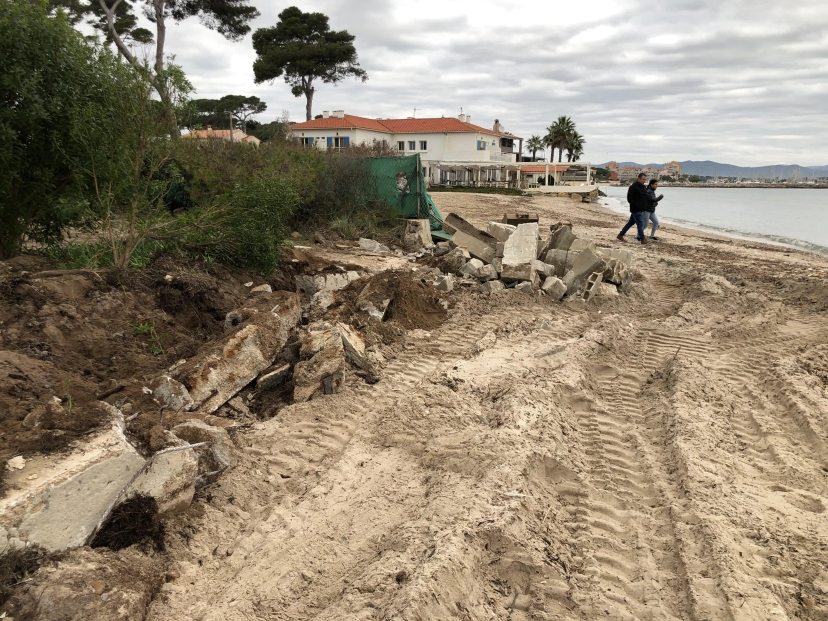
(522, 246)
(584, 265)
(477, 248)
(226, 366)
(500, 231)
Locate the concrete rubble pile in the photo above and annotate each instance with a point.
(561, 265)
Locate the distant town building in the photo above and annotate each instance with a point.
(671, 169)
(629, 173)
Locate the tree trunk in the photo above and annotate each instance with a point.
(309, 104)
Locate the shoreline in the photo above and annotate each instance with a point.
(806, 246)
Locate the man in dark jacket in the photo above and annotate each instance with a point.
(639, 204)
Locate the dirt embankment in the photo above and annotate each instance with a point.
(657, 454)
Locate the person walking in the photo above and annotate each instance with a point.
(639, 205)
(650, 215)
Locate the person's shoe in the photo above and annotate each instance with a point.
(621, 239)
(645, 241)
(654, 238)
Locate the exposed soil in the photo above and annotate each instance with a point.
(660, 454)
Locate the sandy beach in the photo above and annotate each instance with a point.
(660, 454)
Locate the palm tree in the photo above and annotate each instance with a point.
(557, 134)
(574, 146)
(534, 144)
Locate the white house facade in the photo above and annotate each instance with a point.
(447, 146)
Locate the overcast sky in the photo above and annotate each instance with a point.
(737, 81)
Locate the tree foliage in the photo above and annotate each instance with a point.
(557, 135)
(302, 48)
(217, 112)
(56, 90)
(534, 144)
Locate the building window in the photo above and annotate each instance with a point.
(401, 145)
(412, 145)
(340, 142)
(308, 142)
(481, 145)
(423, 145)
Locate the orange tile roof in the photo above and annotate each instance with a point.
(398, 126)
(215, 133)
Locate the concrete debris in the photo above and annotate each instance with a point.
(525, 272)
(224, 367)
(170, 478)
(543, 269)
(561, 238)
(444, 283)
(470, 268)
(554, 287)
(171, 394)
(492, 286)
(261, 290)
(559, 260)
(372, 246)
(497, 263)
(221, 448)
(478, 249)
(417, 234)
(579, 245)
(373, 302)
(583, 266)
(323, 373)
(311, 284)
(453, 261)
(487, 272)
(500, 231)
(16, 463)
(541, 248)
(354, 346)
(273, 377)
(442, 248)
(617, 273)
(321, 300)
(525, 287)
(592, 285)
(316, 339)
(522, 246)
(501, 246)
(606, 289)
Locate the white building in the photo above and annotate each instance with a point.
(450, 148)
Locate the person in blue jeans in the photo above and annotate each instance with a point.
(639, 205)
(650, 215)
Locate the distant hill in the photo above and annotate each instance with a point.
(713, 169)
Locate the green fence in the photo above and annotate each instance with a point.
(399, 182)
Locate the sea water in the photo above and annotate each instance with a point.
(795, 217)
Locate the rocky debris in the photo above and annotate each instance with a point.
(441, 248)
(525, 287)
(354, 346)
(500, 231)
(471, 267)
(606, 289)
(314, 283)
(492, 286)
(321, 370)
(544, 270)
(321, 300)
(444, 283)
(583, 266)
(479, 244)
(487, 272)
(561, 238)
(592, 285)
(170, 394)
(16, 463)
(373, 301)
(579, 245)
(273, 377)
(225, 366)
(221, 447)
(261, 290)
(518, 273)
(453, 261)
(554, 287)
(617, 273)
(372, 246)
(170, 478)
(521, 247)
(417, 234)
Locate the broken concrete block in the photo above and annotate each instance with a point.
(616, 272)
(470, 268)
(525, 287)
(606, 289)
(441, 248)
(354, 345)
(321, 300)
(497, 263)
(372, 246)
(194, 431)
(487, 272)
(558, 260)
(541, 248)
(493, 286)
(583, 266)
(261, 290)
(561, 238)
(525, 272)
(579, 245)
(61, 508)
(171, 394)
(311, 284)
(273, 377)
(500, 231)
(453, 261)
(321, 370)
(543, 269)
(522, 245)
(501, 246)
(417, 234)
(475, 247)
(170, 479)
(373, 302)
(592, 285)
(225, 366)
(554, 287)
(625, 256)
(444, 283)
